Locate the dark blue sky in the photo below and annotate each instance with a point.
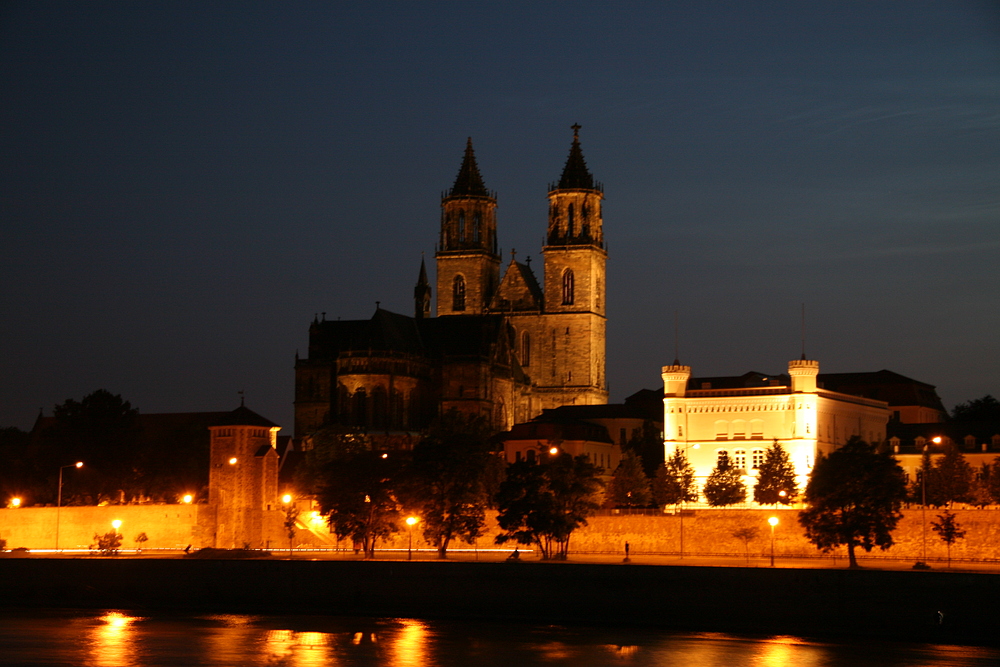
(183, 187)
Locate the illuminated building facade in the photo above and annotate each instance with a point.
(743, 416)
(502, 347)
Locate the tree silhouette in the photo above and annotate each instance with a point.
(629, 487)
(776, 474)
(948, 530)
(674, 481)
(746, 534)
(449, 479)
(952, 477)
(986, 408)
(543, 503)
(854, 495)
(724, 485)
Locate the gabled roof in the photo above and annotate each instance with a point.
(469, 183)
(242, 416)
(575, 174)
(519, 290)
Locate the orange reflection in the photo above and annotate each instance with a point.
(298, 649)
(112, 641)
(409, 646)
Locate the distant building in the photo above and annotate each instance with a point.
(709, 417)
(502, 347)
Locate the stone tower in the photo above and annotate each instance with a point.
(468, 266)
(575, 315)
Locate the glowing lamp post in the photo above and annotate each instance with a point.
(410, 521)
(232, 461)
(774, 522)
(553, 451)
(187, 499)
(78, 464)
(923, 495)
(15, 502)
(116, 524)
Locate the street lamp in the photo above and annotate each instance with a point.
(774, 522)
(116, 524)
(923, 492)
(78, 464)
(187, 498)
(410, 521)
(15, 502)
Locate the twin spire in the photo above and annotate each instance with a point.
(575, 174)
(469, 182)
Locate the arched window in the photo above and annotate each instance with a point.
(461, 225)
(476, 222)
(359, 409)
(569, 221)
(380, 409)
(525, 349)
(458, 293)
(567, 287)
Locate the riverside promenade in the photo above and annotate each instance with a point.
(696, 594)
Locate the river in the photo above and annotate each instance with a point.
(126, 639)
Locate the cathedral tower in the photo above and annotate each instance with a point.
(468, 266)
(575, 316)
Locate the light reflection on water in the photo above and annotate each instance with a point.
(123, 639)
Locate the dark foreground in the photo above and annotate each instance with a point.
(936, 607)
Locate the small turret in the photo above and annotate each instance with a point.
(675, 379)
(803, 373)
(422, 294)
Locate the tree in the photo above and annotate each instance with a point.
(629, 487)
(543, 503)
(952, 477)
(140, 539)
(855, 496)
(674, 481)
(291, 517)
(100, 429)
(107, 544)
(724, 485)
(321, 448)
(993, 481)
(775, 475)
(746, 534)
(358, 496)
(448, 484)
(647, 443)
(948, 530)
(986, 408)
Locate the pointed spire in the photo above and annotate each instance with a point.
(575, 174)
(422, 279)
(469, 182)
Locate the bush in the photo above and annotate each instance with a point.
(108, 544)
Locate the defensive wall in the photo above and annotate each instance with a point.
(936, 606)
(705, 531)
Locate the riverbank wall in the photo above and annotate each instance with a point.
(912, 606)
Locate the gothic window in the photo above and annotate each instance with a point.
(525, 349)
(476, 222)
(567, 287)
(740, 459)
(758, 458)
(461, 225)
(380, 410)
(458, 293)
(569, 221)
(359, 408)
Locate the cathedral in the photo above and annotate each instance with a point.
(504, 347)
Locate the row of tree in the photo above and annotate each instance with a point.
(449, 480)
(950, 479)
(674, 482)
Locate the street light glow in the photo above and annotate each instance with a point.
(116, 524)
(936, 440)
(79, 464)
(410, 520)
(287, 498)
(187, 498)
(773, 521)
(553, 451)
(232, 461)
(15, 502)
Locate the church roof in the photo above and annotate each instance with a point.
(519, 290)
(557, 429)
(575, 174)
(469, 182)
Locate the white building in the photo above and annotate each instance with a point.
(743, 421)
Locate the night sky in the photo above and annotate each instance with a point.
(184, 186)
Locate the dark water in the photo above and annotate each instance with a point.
(121, 639)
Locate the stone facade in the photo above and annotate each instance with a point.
(505, 348)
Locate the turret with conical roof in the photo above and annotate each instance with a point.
(467, 258)
(575, 202)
